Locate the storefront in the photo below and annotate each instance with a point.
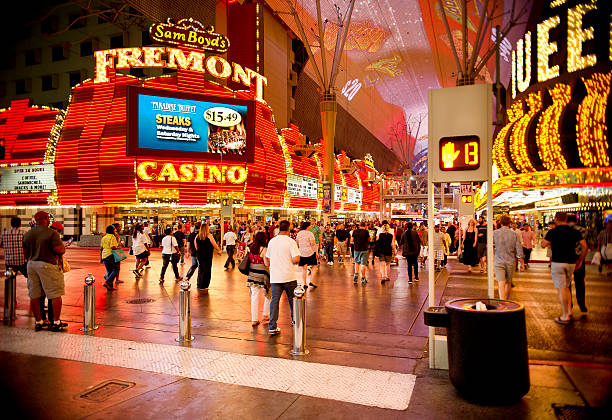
(179, 147)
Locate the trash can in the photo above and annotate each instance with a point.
(487, 350)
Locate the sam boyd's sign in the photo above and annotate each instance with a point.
(27, 178)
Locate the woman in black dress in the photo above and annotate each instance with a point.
(204, 245)
(469, 245)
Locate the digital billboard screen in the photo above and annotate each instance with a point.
(166, 123)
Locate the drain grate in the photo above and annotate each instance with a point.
(105, 390)
(140, 301)
(576, 412)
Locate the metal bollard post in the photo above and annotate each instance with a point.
(184, 313)
(89, 308)
(299, 323)
(10, 286)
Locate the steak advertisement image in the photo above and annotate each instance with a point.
(166, 123)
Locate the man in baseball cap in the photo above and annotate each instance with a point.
(42, 246)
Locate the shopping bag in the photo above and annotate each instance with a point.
(606, 252)
(63, 264)
(243, 267)
(596, 260)
(119, 255)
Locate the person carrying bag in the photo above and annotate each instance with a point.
(258, 280)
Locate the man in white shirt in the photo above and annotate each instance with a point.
(282, 256)
(229, 240)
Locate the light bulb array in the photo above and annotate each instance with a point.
(577, 37)
(591, 128)
(546, 49)
(518, 138)
(548, 135)
(515, 112)
(523, 65)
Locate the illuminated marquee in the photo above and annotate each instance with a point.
(188, 172)
(576, 58)
(151, 57)
(189, 33)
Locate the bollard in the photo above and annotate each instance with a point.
(10, 285)
(299, 323)
(89, 302)
(184, 313)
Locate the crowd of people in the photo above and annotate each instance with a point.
(278, 257)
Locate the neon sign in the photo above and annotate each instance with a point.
(151, 57)
(459, 153)
(536, 49)
(188, 172)
(189, 33)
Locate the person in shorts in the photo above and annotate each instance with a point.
(508, 249)
(308, 254)
(140, 248)
(361, 241)
(562, 240)
(41, 247)
(342, 240)
(385, 246)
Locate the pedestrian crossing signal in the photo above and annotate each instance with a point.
(225, 202)
(466, 199)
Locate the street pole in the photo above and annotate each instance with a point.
(184, 314)
(10, 286)
(89, 305)
(299, 323)
(329, 110)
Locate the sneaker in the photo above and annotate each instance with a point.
(364, 280)
(355, 277)
(38, 326)
(59, 326)
(117, 281)
(416, 279)
(136, 273)
(330, 263)
(409, 281)
(275, 331)
(109, 287)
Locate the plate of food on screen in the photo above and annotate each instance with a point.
(226, 133)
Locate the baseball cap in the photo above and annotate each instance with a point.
(41, 215)
(57, 225)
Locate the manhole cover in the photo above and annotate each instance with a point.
(140, 301)
(105, 390)
(576, 412)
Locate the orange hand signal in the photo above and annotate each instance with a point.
(449, 155)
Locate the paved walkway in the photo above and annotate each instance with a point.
(376, 329)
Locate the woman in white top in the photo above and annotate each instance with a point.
(140, 248)
(170, 253)
(247, 236)
(308, 253)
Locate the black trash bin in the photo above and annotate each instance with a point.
(487, 350)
